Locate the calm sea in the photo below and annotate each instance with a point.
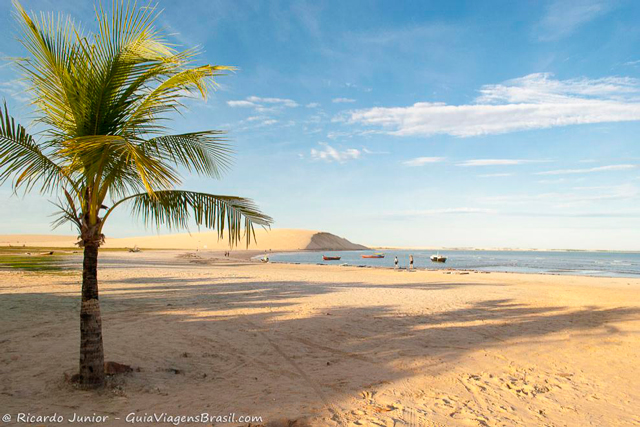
(605, 264)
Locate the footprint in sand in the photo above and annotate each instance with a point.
(367, 395)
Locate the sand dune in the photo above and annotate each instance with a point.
(41, 240)
(276, 240)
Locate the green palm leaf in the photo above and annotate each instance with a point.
(201, 152)
(22, 158)
(175, 208)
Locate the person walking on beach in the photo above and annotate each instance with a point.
(410, 262)
(395, 262)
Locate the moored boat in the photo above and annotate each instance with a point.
(330, 258)
(378, 255)
(438, 258)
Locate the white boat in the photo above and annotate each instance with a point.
(438, 258)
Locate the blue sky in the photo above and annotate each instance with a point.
(487, 124)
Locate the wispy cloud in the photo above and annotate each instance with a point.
(263, 104)
(563, 17)
(241, 104)
(312, 105)
(444, 211)
(610, 214)
(535, 101)
(367, 151)
(16, 89)
(495, 162)
(282, 101)
(421, 161)
(568, 198)
(495, 175)
(552, 181)
(342, 100)
(330, 154)
(588, 170)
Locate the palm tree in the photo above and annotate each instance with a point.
(102, 102)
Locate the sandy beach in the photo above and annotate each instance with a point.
(327, 345)
(320, 214)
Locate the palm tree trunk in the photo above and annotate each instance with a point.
(91, 350)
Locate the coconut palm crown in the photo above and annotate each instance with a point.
(102, 103)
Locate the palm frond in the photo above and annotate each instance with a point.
(65, 214)
(23, 159)
(176, 208)
(50, 40)
(92, 153)
(166, 97)
(202, 152)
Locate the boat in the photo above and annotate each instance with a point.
(330, 258)
(378, 255)
(438, 258)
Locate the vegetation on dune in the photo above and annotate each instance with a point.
(103, 103)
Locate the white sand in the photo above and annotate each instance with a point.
(42, 240)
(329, 344)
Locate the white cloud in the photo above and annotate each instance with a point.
(589, 170)
(543, 88)
(495, 175)
(263, 109)
(367, 151)
(286, 102)
(566, 199)
(336, 135)
(342, 100)
(563, 17)
(16, 89)
(552, 181)
(312, 105)
(241, 104)
(259, 103)
(443, 211)
(495, 162)
(311, 130)
(330, 154)
(535, 101)
(421, 161)
(269, 122)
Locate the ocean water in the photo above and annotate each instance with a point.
(604, 264)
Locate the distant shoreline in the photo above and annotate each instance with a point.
(592, 264)
(453, 271)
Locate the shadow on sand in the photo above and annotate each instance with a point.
(246, 346)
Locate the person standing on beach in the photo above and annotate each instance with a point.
(410, 262)
(395, 262)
